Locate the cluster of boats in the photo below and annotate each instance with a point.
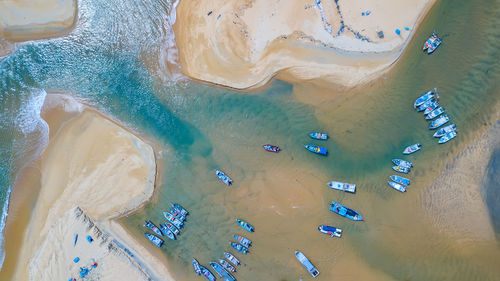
(398, 183)
(401, 166)
(176, 216)
(314, 148)
(429, 104)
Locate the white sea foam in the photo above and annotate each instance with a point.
(2, 226)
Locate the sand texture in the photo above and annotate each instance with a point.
(244, 43)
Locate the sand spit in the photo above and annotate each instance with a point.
(244, 43)
(92, 171)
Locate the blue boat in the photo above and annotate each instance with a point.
(330, 230)
(231, 258)
(400, 169)
(207, 273)
(397, 186)
(239, 248)
(447, 137)
(443, 119)
(154, 239)
(412, 148)
(153, 227)
(316, 149)
(435, 113)
(345, 212)
(223, 177)
(242, 240)
(318, 136)
(179, 209)
(245, 225)
(433, 105)
(307, 264)
(443, 131)
(402, 163)
(423, 98)
(400, 180)
(196, 267)
(426, 105)
(431, 43)
(227, 266)
(164, 229)
(175, 221)
(222, 272)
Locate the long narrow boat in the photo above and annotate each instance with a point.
(431, 43)
(179, 209)
(271, 148)
(227, 266)
(342, 186)
(423, 98)
(397, 186)
(345, 212)
(222, 272)
(173, 220)
(447, 137)
(330, 230)
(196, 267)
(207, 273)
(154, 239)
(318, 135)
(425, 105)
(245, 225)
(433, 105)
(242, 240)
(231, 258)
(167, 232)
(443, 131)
(443, 119)
(172, 228)
(239, 248)
(435, 113)
(412, 148)
(402, 163)
(401, 180)
(223, 177)
(400, 169)
(177, 215)
(153, 227)
(316, 149)
(307, 264)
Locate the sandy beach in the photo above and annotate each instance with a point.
(92, 172)
(243, 44)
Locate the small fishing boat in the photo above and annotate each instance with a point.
(423, 98)
(153, 227)
(242, 240)
(318, 136)
(154, 239)
(271, 148)
(402, 163)
(443, 131)
(447, 137)
(345, 212)
(207, 273)
(231, 258)
(397, 186)
(316, 149)
(196, 267)
(342, 186)
(177, 214)
(433, 105)
(227, 266)
(431, 43)
(223, 177)
(167, 232)
(172, 228)
(179, 209)
(400, 180)
(222, 272)
(443, 119)
(239, 248)
(307, 264)
(435, 113)
(245, 225)
(179, 224)
(330, 230)
(400, 169)
(412, 148)
(425, 105)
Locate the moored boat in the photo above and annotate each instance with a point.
(227, 266)
(342, 186)
(222, 272)
(397, 186)
(231, 258)
(402, 163)
(433, 105)
(330, 230)
(154, 239)
(307, 264)
(245, 225)
(207, 273)
(242, 240)
(239, 248)
(153, 227)
(412, 148)
(345, 212)
(167, 232)
(177, 215)
(425, 105)
(179, 209)
(223, 177)
(435, 113)
(172, 228)
(431, 43)
(443, 131)
(401, 180)
(423, 98)
(271, 148)
(318, 135)
(175, 221)
(196, 266)
(316, 149)
(447, 137)
(443, 119)
(400, 169)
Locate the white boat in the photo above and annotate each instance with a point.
(397, 186)
(307, 264)
(423, 98)
(435, 113)
(443, 119)
(447, 137)
(342, 186)
(443, 131)
(402, 163)
(412, 148)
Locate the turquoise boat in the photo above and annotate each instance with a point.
(412, 148)
(443, 131)
(242, 240)
(318, 136)
(207, 273)
(223, 177)
(447, 137)
(239, 248)
(400, 169)
(426, 105)
(431, 43)
(400, 180)
(316, 149)
(245, 225)
(164, 229)
(307, 264)
(227, 266)
(153, 227)
(402, 163)
(345, 212)
(433, 105)
(196, 266)
(443, 119)
(154, 239)
(435, 113)
(222, 272)
(423, 98)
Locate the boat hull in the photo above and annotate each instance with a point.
(223, 177)
(342, 186)
(307, 264)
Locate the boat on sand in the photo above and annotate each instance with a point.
(397, 186)
(231, 258)
(239, 248)
(330, 230)
(222, 272)
(342, 186)
(227, 266)
(345, 212)
(223, 177)
(196, 266)
(412, 148)
(242, 240)
(154, 239)
(245, 225)
(207, 273)
(447, 137)
(307, 264)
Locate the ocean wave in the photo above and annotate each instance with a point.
(2, 226)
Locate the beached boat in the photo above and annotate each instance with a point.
(245, 225)
(223, 177)
(175, 221)
(153, 227)
(412, 148)
(423, 98)
(443, 119)
(330, 230)
(316, 149)
(447, 137)
(425, 105)
(222, 272)
(400, 169)
(397, 186)
(239, 248)
(196, 266)
(307, 264)
(342, 186)
(402, 163)
(231, 258)
(318, 135)
(431, 43)
(242, 240)
(433, 105)
(154, 239)
(345, 212)
(443, 131)
(205, 272)
(179, 209)
(227, 266)
(271, 148)
(435, 113)
(400, 180)
(167, 232)
(172, 228)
